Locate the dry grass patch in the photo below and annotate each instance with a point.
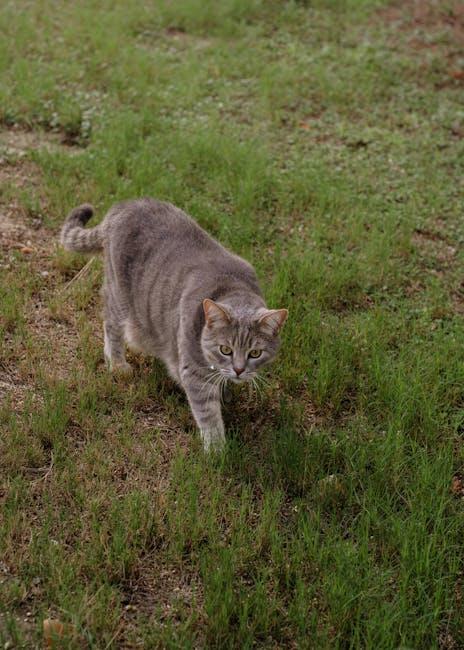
(436, 245)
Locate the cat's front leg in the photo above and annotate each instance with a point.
(205, 403)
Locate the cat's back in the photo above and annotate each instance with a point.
(147, 221)
(157, 257)
(145, 233)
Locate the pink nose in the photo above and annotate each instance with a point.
(239, 371)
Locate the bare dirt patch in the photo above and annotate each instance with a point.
(430, 27)
(173, 38)
(438, 253)
(157, 600)
(15, 389)
(17, 141)
(426, 18)
(160, 588)
(20, 175)
(457, 298)
(13, 234)
(435, 245)
(20, 235)
(179, 35)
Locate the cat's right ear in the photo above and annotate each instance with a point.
(215, 314)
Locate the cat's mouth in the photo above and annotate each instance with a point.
(238, 380)
(243, 379)
(233, 377)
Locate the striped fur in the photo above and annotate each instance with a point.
(172, 291)
(74, 237)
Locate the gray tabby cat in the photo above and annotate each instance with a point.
(172, 291)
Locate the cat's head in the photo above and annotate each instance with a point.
(239, 342)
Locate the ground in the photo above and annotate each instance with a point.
(324, 142)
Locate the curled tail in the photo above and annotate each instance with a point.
(75, 237)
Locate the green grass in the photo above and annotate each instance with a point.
(324, 142)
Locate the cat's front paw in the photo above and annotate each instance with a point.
(213, 440)
(121, 369)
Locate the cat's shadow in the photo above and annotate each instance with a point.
(246, 413)
(260, 450)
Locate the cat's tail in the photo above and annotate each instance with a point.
(74, 237)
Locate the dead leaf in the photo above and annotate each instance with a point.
(331, 487)
(457, 486)
(54, 630)
(26, 250)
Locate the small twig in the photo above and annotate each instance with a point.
(39, 469)
(78, 275)
(36, 470)
(115, 635)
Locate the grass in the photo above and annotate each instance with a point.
(323, 141)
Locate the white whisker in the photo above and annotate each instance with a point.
(257, 387)
(210, 381)
(263, 380)
(214, 385)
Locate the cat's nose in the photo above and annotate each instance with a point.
(239, 371)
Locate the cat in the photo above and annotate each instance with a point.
(172, 291)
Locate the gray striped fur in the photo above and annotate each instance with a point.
(73, 235)
(172, 291)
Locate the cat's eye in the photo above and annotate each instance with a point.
(225, 350)
(254, 354)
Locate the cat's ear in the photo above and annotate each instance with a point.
(271, 320)
(215, 314)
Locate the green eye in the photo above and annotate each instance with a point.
(254, 354)
(225, 350)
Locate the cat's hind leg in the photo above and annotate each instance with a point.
(114, 349)
(113, 330)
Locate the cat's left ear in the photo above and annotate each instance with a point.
(272, 320)
(215, 313)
